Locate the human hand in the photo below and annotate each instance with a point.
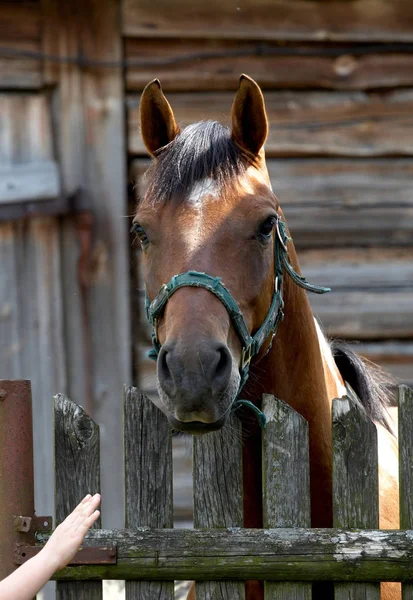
(68, 536)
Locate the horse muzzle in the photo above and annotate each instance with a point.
(197, 384)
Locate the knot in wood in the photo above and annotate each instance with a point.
(345, 65)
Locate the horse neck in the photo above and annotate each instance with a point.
(294, 371)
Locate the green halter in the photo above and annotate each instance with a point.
(251, 345)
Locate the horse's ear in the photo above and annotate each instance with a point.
(249, 119)
(158, 126)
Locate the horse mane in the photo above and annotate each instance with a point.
(202, 150)
(373, 386)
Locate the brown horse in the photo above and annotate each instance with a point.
(208, 207)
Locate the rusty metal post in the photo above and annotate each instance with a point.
(16, 470)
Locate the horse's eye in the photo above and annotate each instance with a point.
(266, 227)
(140, 232)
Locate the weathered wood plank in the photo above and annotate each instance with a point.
(218, 496)
(372, 291)
(89, 105)
(292, 554)
(285, 20)
(330, 203)
(20, 27)
(406, 468)
(366, 315)
(148, 479)
(25, 129)
(77, 473)
(30, 182)
(30, 282)
(286, 482)
(212, 65)
(305, 123)
(355, 481)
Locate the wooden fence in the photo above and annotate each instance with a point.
(219, 554)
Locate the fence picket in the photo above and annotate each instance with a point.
(355, 482)
(286, 482)
(148, 480)
(77, 473)
(406, 468)
(218, 496)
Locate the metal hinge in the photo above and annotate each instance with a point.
(87, 555)
(36, 524)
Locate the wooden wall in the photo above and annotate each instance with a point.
(338, 84)
(64, 285)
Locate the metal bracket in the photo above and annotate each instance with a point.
(37, 524)
(42, 524)
(87, 555)
(22, 524)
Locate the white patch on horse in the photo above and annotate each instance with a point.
(207, 188)
(328, 361)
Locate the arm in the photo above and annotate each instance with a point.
(27, 580)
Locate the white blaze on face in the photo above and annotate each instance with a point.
(202, 191)
(206, 187)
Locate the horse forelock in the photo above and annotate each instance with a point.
(203, 153)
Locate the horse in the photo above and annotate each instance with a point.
(208, 222)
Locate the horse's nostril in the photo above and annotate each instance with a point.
(223, 369)
(164, 371)
(222, 365)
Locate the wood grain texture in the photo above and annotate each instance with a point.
(286, 482)
(292, 554)
(215, 65)
(21, 30)
(303, 123)
(372, 292)
(30, 284)
(77, 473)
(148, 479)
(31, 182)
(218, 495)
(406, 468)
(355, 481)
(89, 104)
(264, 20)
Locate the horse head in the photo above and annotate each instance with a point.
(207, 208)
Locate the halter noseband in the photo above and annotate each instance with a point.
(251, 345)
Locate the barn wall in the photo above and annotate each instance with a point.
(64, 312)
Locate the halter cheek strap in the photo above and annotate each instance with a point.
(251, 345)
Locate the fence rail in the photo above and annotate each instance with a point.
(219, 554)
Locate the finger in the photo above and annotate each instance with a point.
(86, 510)
(74, 515)
(88, 522)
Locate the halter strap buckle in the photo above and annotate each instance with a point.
(246, 356)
